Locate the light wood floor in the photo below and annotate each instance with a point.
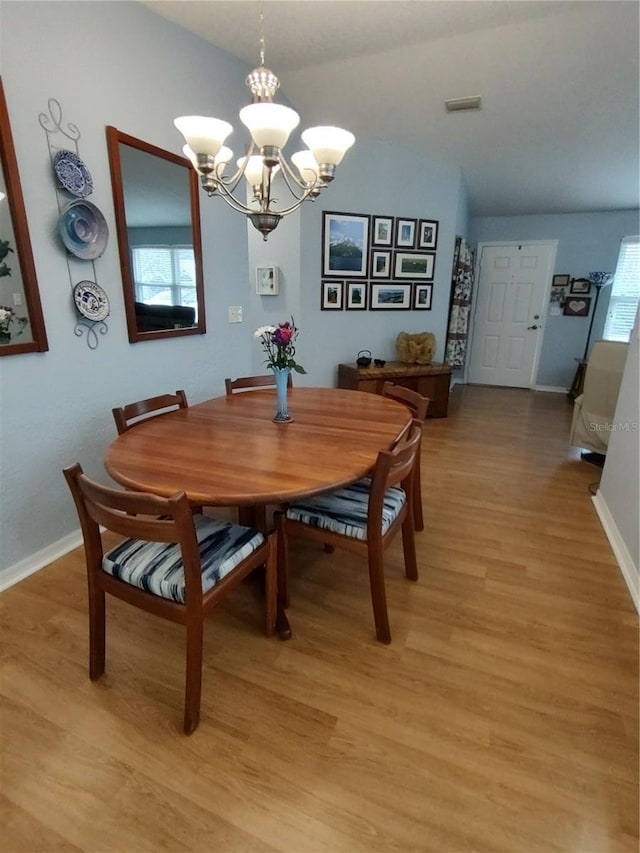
(503, 717)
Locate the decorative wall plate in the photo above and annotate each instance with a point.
(84, 230)
(72, 173)
(91, 300)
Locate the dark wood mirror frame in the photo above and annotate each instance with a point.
(23, 243)
(115, 138)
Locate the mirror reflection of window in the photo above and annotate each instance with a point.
(164, 275)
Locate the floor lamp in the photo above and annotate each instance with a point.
(598, 280)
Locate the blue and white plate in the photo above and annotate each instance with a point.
(91, 300)
(84, 230)
(72, 173)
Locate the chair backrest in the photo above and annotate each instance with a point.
(248, 383)
(603, 378)
(418, 404)
(394, 467)
(132, 414)
(136, 515)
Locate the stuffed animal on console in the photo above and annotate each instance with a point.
(416, 348)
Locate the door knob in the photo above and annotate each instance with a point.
(532, 327)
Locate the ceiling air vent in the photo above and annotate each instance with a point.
(457, 105)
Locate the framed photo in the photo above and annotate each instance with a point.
(580, 285)
(382, 231)
(391, 296)
(414, 265)
(422, 297)
(406, 233)
(380, 264)
(561, 280)
(267, 281)
(356, 296)
(577, 306)
(345, 241)
(428, 233)
(332, 292)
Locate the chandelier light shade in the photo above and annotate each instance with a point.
(270, 126)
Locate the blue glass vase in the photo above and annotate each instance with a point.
(282, 415)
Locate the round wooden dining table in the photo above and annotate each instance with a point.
(228, 451)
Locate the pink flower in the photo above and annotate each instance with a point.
(283, 335)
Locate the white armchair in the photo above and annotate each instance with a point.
(594, 409)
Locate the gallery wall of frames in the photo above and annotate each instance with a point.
(377, 263)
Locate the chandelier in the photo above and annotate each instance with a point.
(270, 126)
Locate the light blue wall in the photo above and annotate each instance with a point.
(586, 242)
(107, 64)
(365, 184)
(463, 219)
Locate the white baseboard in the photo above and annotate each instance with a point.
(629, 571)
(19, 571)
(553, 389)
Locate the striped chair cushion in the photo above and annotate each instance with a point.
(345, 510)
(157, 567)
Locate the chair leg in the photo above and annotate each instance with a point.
(409, 548)
(193, 685)
(378, 595)
(96, 633)
(418, 520)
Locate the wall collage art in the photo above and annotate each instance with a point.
(377, 263)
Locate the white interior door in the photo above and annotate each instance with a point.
(513, 286)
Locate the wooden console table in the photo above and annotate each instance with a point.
(430, 380)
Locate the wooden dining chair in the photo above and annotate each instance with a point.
(134, 413)
(419, 405)
(250, 383)
(362, 518)
(171, 563)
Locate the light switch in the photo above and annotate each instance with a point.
(235, 313)
(17, 299)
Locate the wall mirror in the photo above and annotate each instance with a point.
(21, 320)
(155, 195)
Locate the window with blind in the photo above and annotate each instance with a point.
(625, 292)
(165, 275)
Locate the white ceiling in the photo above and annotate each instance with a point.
(559, 127)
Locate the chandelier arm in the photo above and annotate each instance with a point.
(295, 205)
(289, 176)
(235, 204)
(231, 182)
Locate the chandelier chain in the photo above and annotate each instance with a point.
(261, 35)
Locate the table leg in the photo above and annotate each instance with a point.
(253, 516)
